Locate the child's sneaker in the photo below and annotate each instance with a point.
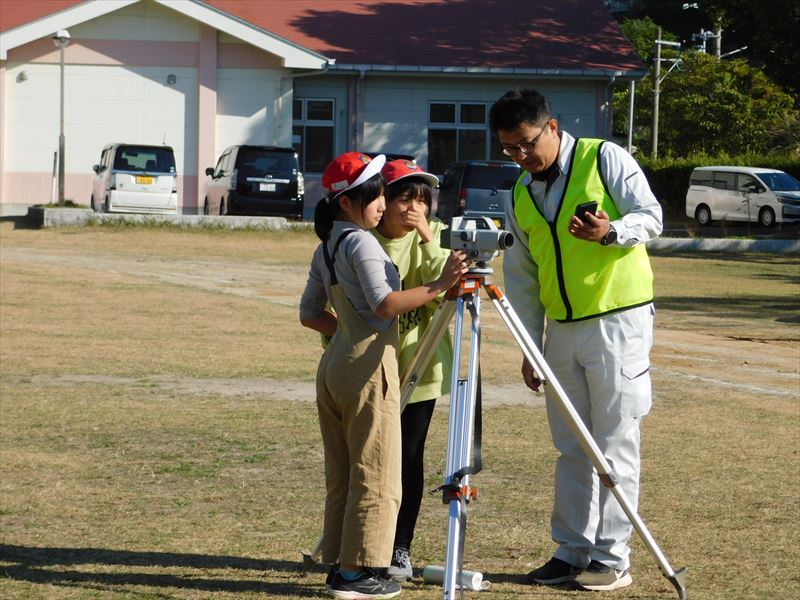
(400, 569)
(367, 585)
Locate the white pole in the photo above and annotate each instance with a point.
(632, 94)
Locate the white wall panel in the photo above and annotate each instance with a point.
(396, 110)
(246, 108)
(141, 21)
(103, 104)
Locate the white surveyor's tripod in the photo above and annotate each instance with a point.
(462, 423)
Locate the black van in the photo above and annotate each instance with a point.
(477, 188)
(255, 180)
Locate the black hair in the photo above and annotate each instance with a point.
(414, 187)
(328, 208)
(516, 107)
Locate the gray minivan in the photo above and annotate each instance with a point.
(477, 188)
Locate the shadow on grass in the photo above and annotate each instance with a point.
(764, 308)
(28, 564)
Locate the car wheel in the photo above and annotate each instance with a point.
(205, 207)
(766, 217)
(105, 206)
(703, 215)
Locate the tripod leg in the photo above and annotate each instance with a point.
(571, 417)
(459, 441)
(425, 350)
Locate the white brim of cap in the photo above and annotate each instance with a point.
(373, 168)
(429, 178)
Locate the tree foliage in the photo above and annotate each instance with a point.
(710, 106)
(769, 29)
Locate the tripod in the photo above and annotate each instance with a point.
(464, 391)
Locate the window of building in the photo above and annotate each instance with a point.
(313, 133)
(459, 131)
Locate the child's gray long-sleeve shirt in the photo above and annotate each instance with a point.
(365, 273)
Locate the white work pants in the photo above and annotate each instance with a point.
(603, 366)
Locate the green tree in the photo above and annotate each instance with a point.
(769, 29)
(710, 106)
(642, 33)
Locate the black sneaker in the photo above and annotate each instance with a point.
(400, 569)
(331, 575)
(554, 572)
(367, 585)
(598, 577)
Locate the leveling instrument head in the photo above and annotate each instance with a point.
(479, 237)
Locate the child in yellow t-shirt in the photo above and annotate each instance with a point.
(411, 239)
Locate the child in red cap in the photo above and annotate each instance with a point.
(412, 242)
(358, 387)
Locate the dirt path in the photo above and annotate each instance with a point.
(718, 361)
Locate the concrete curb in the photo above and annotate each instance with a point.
(724, 245)
(70, 217)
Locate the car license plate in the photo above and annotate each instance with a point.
(266, 187)
(144, 179)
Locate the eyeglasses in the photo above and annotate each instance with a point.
(525, 147)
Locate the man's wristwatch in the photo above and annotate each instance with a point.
(610, 237)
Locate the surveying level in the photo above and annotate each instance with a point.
(464, 419)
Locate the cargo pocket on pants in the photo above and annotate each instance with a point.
(635, 395)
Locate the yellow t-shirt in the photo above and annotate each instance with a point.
(417, 264)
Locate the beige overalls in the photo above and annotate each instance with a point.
(358, 398)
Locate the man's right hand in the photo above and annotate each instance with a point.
(529, 375)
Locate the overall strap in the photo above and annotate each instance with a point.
(331, 258)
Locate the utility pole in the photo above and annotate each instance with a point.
(657, 79)
(656, 93)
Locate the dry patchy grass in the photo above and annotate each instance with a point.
(115, 486)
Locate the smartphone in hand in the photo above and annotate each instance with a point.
(582, 209)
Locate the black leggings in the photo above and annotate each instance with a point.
(414, 423)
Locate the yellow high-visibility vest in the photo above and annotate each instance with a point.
(579, 279)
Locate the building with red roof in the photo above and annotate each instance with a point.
(324, 76)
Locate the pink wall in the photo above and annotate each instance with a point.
(108, 52)
(207, 55)
(206, 105)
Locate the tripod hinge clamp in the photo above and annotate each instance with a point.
(453, 491)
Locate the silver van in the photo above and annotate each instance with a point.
(766, 196)
(135, 178)
(477, 188)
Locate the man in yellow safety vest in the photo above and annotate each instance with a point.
(581, 212)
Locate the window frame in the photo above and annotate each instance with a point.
(458, 126)
(303, 122)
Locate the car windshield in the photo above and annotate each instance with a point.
(145, 158)
(260, 162)
(491, 177)
(780, 182)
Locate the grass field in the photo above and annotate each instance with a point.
(158, 438)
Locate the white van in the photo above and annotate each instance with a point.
(135, 178)
(767, 196)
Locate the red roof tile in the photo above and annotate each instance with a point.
(548, 34)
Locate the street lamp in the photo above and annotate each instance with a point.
(61, 39)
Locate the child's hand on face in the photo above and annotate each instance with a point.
(417, 219)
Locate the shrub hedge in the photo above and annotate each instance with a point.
(669, 177)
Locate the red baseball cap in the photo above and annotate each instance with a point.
(399, 169)
(350, 170)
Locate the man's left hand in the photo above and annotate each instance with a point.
(593, 230)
